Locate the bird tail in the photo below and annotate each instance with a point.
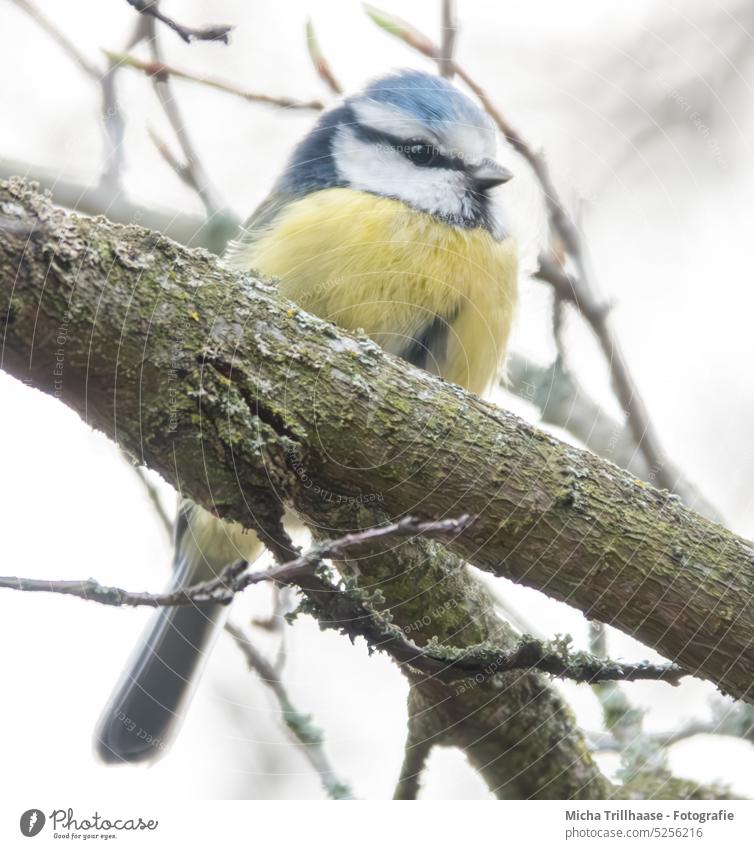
(152, 696)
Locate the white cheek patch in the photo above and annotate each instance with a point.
(382, 170)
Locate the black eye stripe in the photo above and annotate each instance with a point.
(404, 146)
(420, 153)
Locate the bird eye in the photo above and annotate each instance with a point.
(421, 153)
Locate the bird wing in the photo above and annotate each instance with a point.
(256, 225)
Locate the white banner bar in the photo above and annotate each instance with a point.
(370, 825)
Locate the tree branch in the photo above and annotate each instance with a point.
(193, 170)
(201, 358)
(153, 495)
(449, 33)
(415, 755)
(235, 579)
(113, 122)
(299, 724)
(44, 23)
(192, 230)
(563, 402)
(321, 65)
(640, 755)
(579, 287)
(734, 719)
(162, 70)
(435, 600)
(188, 34)
(346, 612)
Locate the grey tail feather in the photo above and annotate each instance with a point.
(152, 696)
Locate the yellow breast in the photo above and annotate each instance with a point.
(368, 262)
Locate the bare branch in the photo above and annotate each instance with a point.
(180, 169)
(188, 34)
(551, 271)
(563, 402)
(220, 589)
(623, 721)
(114, 125)
(470, 666)
(235, 579)
(187, 229)
(90, 69)
(321, 65)
(564, 521)
(194, 172)
(299, 724)
(732, 719)
(446, 529)
(448, 39)
(160, 69)
(579, 288)
(113, 122)
(349, 614)
(152, 494)
(415, 755)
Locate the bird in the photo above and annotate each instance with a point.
(383, 220)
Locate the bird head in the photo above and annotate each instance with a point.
(410, 136)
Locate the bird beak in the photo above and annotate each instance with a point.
(488, 174)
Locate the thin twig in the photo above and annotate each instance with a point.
(113, 122)
(153, 495)
(734, 720)
(217, 590)
(415, 755)
(623, 721)
(161, 69)
(89, 68)
(321, 65)
(512, 614)
(563, 402)
(299, 724)
(283, 603)
(216, 32)
(235, 578)
(114, 125)
(558, 326)
(195, 173)
(579, 287)
(448, 39)
(181, 169)
(349, 613)
(337, 549)
(530, 654)
(551, 271)
(185, 228)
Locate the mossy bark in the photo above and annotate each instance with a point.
(232, 393)
(514, 728)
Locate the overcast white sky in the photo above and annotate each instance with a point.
(668, 221)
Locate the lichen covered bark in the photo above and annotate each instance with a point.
(231, 393)
(515, 728)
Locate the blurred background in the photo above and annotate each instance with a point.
(645, 113)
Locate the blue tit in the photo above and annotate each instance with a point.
(382, 220)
